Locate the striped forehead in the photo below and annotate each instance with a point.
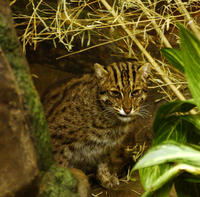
(122, 74)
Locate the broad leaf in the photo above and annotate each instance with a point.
(170, 129)
(179, 128)
(163, 191)
(194, 120)
(163, 163)
(168, 125)
(174, 56)
(150, 174)
(169, 108)
(171, 152)
(190, 48)
(169, 175)
(186, 188)
(190, 178)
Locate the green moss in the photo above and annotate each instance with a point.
(35, 115)
(58, 182)
(6, 42)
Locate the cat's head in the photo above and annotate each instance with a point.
(122, 88)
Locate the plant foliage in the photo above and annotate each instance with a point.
(175, 154)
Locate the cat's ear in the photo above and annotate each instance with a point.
(100, 72)
(145, 70)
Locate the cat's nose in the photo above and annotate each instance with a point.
(127, 110)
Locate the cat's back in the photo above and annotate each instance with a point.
(64, 94)
(72, 113)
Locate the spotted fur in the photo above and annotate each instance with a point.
(88, 117)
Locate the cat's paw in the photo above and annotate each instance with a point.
(110, 182)
(107, 179)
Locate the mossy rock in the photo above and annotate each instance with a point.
(58, 182)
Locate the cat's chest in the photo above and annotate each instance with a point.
(108, 137)
(100, 142)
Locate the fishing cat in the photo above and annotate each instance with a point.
(89, 116)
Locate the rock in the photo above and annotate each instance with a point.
(83, 182)
(58, 182)
(18, 162)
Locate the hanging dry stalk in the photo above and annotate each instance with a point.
(123, 25)
(143, 50)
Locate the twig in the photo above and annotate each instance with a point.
(158, 30)
(143, 50)
(88, 48)
(190, 20)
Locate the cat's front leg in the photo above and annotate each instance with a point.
(107, 179)
(63, 155)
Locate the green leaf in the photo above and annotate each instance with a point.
(163, 163)
(194, 120)
(185, 188)
(161, 192)
(190, 178)
(179, 128)
(174, 56)
(169, 108)
(150, 174)
(171, 126)
(169, 152)
(169, 175)
(170, 129)
(190, 48)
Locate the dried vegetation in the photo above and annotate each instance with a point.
(133, 29)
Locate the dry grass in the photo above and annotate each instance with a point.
(136, 151)
(129, 26)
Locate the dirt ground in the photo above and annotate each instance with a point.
(125, 189)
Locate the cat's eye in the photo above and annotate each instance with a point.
(115, 93)
(136, 93)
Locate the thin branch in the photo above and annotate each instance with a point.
(92, 47)
(143, 50)
(190, 20)
(153, 21)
